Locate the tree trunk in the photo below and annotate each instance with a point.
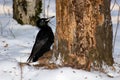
(26, 11)
(84, 33)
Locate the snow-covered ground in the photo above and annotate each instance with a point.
(16, 42)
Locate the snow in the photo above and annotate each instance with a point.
(16, 42)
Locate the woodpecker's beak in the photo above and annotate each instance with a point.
(48, 19)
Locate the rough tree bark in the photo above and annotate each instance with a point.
(26, 11)
(84, 33)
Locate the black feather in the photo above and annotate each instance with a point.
(43, 42)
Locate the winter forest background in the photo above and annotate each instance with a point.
(16, 42)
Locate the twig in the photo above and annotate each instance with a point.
(1, 28)
(44, 9)
(113, 5)
(11, 32)
(21, 70)
(48, 8)
(116, 28)
(52, 24)
(4, 7)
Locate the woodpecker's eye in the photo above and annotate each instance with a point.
(42, 23)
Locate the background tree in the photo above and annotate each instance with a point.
(26, 11)
(84, 33)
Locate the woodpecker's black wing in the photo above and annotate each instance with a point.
(39, 42)
(44, 40)
(36, 48)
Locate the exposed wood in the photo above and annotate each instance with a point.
(84, 33)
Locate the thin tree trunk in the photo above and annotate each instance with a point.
(84, 33)
(26, 11)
